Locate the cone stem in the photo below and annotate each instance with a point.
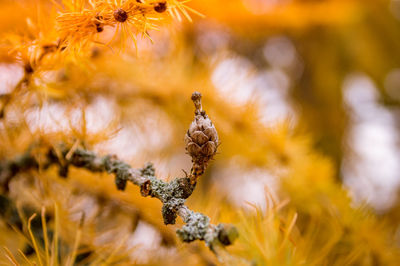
(196, 98)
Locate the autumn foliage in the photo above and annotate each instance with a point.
(256, 172)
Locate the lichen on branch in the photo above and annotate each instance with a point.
(172, 194)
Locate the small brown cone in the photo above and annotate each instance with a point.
(201, 139)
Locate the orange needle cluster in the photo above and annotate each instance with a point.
(80, 21)
(73, 26)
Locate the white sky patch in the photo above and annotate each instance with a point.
(54, 117)
(275, 106)
(212, 37)
(371, 166)
(280, 52)
(144, 241)
(49, 118)
(238, 81)
(233, 78)
(10, 75)
(148, 132)
(246, 186)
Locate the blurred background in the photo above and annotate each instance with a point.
(305, 95)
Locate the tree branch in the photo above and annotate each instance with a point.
(172, 194)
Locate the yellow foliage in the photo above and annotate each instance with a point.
(88, 81)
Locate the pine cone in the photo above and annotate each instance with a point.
(201, 139)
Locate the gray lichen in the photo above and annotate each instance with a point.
(170, 209)
(195, 228)
(148, 170)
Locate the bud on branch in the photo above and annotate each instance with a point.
(201, 140)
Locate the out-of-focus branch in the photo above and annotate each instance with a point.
(201, 145)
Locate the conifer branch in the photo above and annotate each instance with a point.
(172, 194)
